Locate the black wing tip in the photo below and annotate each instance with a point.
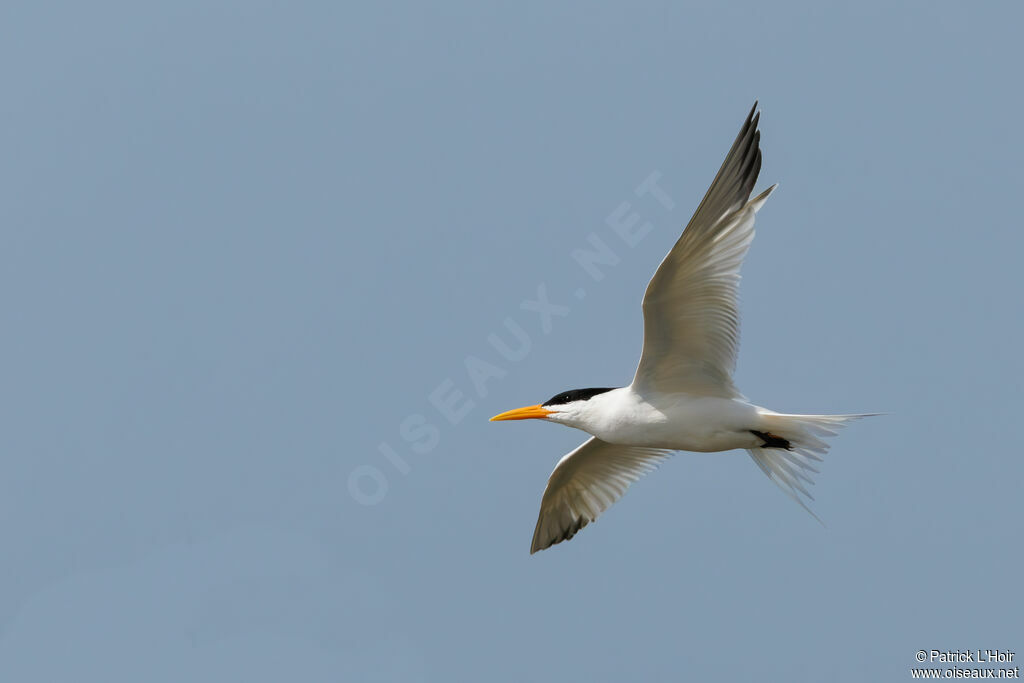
(565, 535)
(751, 123)
(738, 173)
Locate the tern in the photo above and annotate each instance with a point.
(682, 397)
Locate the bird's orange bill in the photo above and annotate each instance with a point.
(527, 413)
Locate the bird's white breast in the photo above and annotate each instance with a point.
(677, 421)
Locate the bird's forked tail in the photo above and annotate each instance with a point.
(793, 444)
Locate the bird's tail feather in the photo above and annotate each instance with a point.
(791, 467)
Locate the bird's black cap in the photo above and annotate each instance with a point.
(574, 395)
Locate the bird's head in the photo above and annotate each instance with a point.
(568, 407)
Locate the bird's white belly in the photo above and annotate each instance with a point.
(703, 424)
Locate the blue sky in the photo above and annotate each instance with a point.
(253, 257)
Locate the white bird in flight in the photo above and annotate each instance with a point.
(682, 397)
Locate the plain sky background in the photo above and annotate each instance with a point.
(244, 242)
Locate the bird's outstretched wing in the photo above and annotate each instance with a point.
(691, 316)
(585, 483)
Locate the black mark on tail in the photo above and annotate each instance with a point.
(772, 441)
